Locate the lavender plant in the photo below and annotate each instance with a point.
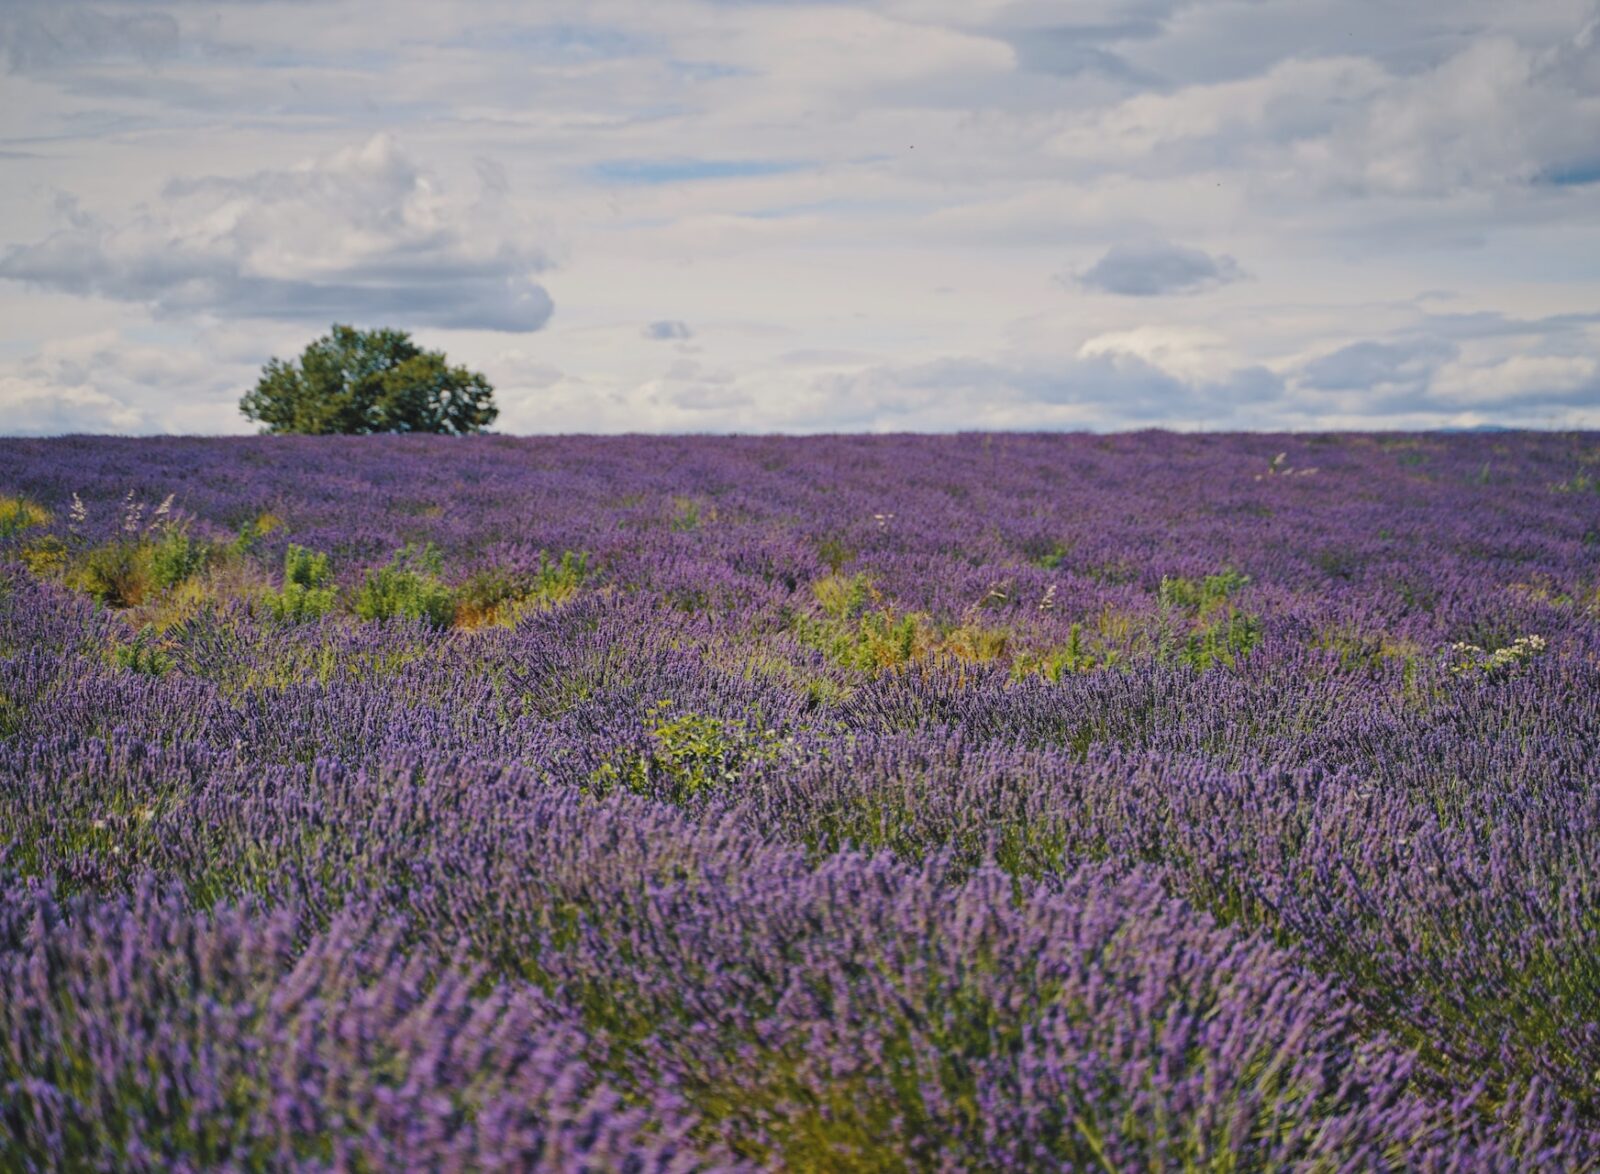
(947, 803)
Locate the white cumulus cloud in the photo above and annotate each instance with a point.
(363, 234)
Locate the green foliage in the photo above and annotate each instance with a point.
(844, 598)
(116, 573)
(1582, 483)
(18, 514)
(1214, 632)
(558, 578)
(487, 596)
(496, 595)
(46, 556)
(835, 554)
(1050, 560)
(144, 654)
(307, 592)
(884, 639)
(408, 587)
(695, 752)
(175, 557)
(853, 634)
(305, 568)
(128, 570)
(1360, 651)
(858, 630)
(687, 514)
(252, 532)
(690, 754)
(1221, 642)
(366, 381)
(1075, 656)
(1201, 595)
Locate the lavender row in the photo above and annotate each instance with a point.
(859, 1012)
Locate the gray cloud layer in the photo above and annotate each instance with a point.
(666, 330)
(1152, 269)
(35, 36)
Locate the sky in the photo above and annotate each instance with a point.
(781, 216)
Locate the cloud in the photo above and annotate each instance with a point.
(1511, 368)
(1156, 268)
(557, 43)
(1189, 353)
(1069, 53)
(688, 387)
(872, 200)
(1496, 114)
(36, 36)
(1520, 381)
(39, 407)
(1313, 100)
(106, 383)
(1366, 365)
(364, 234)
(667, 329)
(1098, 388)
(662, 171)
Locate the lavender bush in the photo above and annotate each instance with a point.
(949, 803)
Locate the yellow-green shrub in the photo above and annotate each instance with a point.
(307, 592)
(18, 514)
(408, 587)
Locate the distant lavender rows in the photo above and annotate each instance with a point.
(664, 876)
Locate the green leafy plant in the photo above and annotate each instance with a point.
(252, 532)
(144, 654)
(496, 595)
(1075, 656)
(116, 573)
(687, 514)
(1211, 630)
(1581, 483)
(1201, 595)
(1048, 560)
(690, 754)
(842, 597)
(408, 587)
(859, 630)
(175, 557)
(307, 592)
(855, 630)
(1221, 642)
(1363, 651)
(18, 514)
(146, 558)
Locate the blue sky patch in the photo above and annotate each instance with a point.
(657, 171)
(1571, 174)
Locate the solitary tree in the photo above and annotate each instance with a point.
(361, 381)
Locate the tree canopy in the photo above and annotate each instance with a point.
(363, 381)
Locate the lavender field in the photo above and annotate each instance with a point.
(976, 802)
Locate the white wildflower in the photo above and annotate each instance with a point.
(132, 513)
